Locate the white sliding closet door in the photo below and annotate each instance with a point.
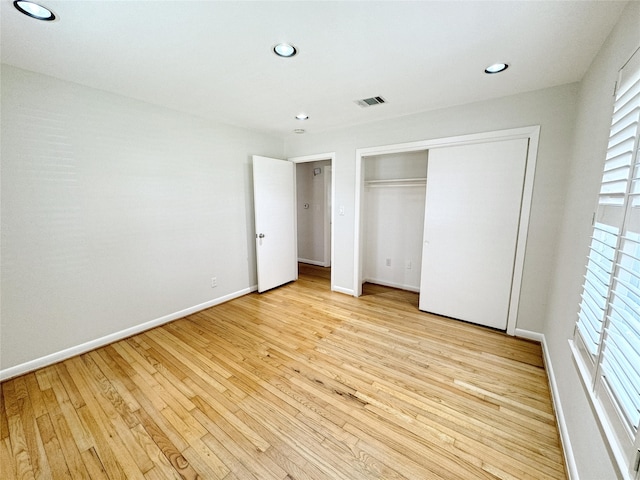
(472, 214)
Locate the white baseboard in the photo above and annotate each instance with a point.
(346, 291)
(56, 357)
(409, 288)
(570, 461)
(311, 262)
(529, 335)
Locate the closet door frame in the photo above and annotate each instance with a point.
(532, 133)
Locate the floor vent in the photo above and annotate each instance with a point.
(368, 102)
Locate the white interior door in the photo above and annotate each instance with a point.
(472, 214)
(275, 222)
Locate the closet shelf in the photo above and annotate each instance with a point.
(397, 182)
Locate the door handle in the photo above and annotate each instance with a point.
(260, 235)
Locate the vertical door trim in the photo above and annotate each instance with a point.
(532, 133)
(331, 156)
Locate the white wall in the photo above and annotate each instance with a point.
(595, 105)
(311, 190)
(552, 108)
(395, 165)
(393, 217)
(114, 213)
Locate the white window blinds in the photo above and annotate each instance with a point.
(608, 326)
(596, 285)
(621, 342)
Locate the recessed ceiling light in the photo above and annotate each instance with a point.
(302, 116)
(285, 50)
(34, 10)
(496, 68)
(299, 130)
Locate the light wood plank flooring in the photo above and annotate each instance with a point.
(298, 383)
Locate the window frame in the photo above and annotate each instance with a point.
(622, 437)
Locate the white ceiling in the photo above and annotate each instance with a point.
(213, 59)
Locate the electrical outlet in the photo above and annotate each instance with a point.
(388, 262)
(408, 264)
(214, 282)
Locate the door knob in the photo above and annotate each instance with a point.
(261, 235)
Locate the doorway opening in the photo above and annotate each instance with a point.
(392, 218)
(314, 212)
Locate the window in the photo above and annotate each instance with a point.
(607, 336)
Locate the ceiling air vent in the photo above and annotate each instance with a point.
(368, 102)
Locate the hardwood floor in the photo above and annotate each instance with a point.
(296, 383)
